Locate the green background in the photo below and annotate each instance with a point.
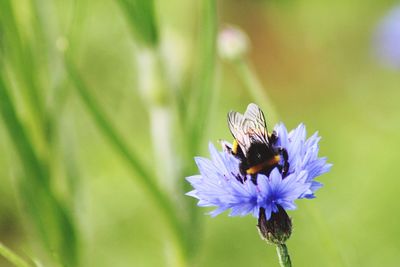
(314, 59)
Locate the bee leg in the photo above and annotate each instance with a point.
(285, 168)
(254, 178)
(242, 169)
(239, 177)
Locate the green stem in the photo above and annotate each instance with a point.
(155, 93)
(283, 255)
(146, 179)
(255, 88)
(204, 80)
(12, 257)
(200, 106)
(156, 96)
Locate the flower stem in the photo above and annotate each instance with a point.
(283, 255)
(255, 88)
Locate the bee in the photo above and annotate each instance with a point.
(253, 145)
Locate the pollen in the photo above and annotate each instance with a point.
(235, 147)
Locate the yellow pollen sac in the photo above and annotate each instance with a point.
(259, 167)
(235, 146)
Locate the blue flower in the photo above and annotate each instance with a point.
(303, 155)
(387, 39)
(221, 184)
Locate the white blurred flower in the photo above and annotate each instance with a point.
(233, 43)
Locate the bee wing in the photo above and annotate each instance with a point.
(254, 124)
(248, 128)
(235, 123)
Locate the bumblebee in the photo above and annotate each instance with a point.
(253, 145)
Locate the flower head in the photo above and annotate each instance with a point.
(303, 155)
(265, 180)
(221, 184)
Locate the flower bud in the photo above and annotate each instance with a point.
(277, 229)
(233, 43)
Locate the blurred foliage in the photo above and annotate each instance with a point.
(140, 15)
(66, 188)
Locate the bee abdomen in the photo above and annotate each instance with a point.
(266, 165)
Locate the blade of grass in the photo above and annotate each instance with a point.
(204, 79)
(23, 60)
(141, 18)
(20, 138)
(143, 176)
(201, 101)
(46, 211)
(12, 257)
